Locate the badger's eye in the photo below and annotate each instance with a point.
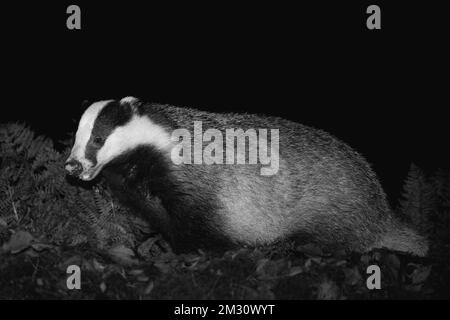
(98, 140)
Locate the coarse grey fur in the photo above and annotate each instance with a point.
(324, 191)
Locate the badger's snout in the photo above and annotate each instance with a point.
(73, 167)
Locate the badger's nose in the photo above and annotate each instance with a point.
(73, 167)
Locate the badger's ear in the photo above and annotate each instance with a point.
(130, 102)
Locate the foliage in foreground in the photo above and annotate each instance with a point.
(48, 222)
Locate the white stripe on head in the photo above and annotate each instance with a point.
(84, 131)
(140, 130)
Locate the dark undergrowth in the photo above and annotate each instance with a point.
(48, 223)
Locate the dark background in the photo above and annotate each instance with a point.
(381, 91)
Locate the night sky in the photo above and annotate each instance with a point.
(384, 92)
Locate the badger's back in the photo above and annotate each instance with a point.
(324, 191)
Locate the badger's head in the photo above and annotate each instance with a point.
(109, 129)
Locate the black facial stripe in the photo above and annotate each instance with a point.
(113, 115)
(91, 152)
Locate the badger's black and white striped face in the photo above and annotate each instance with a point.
(107, 130)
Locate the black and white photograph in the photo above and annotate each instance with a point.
(243, 154)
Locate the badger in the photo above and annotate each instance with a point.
(323, 191)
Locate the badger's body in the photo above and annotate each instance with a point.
(323, 191)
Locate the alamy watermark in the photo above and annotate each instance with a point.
(73, 21)
(237, 147)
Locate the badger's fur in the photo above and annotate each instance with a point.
(324, 191)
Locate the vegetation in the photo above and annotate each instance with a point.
(48, 222)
